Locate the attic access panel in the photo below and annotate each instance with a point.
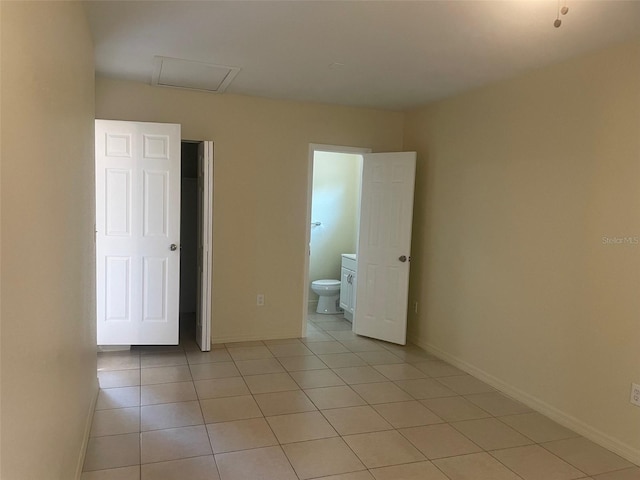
(189, 74)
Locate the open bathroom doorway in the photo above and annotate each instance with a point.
(333, 214)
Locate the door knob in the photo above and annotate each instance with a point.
(403, 258)
(173, 247)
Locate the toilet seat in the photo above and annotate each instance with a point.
(328, 292)
(326, 284)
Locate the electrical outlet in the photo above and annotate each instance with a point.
(635, 394)
(260, 300)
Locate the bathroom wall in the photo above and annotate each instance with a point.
(518, 186)
(336, 190)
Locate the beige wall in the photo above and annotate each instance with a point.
(47, 278)
(517, 185)
(336, 197)
(1, 68)
(261, 167)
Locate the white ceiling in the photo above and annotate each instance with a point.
(386, 54)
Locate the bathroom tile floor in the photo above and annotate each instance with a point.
(331, 405)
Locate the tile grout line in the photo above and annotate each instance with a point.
(264, 416)
(367, 403)
(394, 428)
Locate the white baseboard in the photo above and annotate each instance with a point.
(87, 430)
(113, 348)
(564, 419)
(249, 338)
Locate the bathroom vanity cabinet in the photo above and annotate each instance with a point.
(348, 285)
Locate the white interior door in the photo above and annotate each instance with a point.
(384, 246)
(137, 232)
(205, 204)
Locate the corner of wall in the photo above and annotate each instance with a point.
(537, 404)
(87, 430)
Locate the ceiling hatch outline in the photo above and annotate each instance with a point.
(191, 74)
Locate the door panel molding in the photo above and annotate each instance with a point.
(137, 219)
(386, 217)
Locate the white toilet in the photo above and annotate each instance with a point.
(329, 295)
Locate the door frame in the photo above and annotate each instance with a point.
(207, 245)
(313, 148)
(205, 282)
(207, 242)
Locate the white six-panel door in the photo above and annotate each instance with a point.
(137, 232)
(384, 246)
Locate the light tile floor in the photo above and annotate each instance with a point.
(331, 405)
